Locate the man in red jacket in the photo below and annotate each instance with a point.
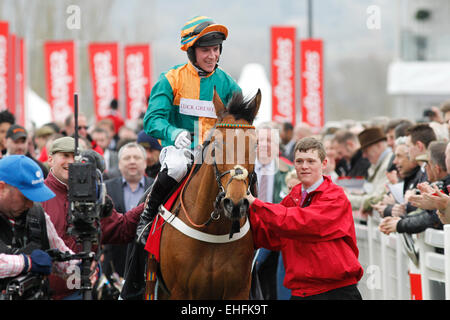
(314, 229)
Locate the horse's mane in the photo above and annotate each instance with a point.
(241, 107)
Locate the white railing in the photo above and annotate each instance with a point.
(387, 265)
(447, 259)
(432, 264)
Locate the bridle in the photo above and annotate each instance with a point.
(237, 173)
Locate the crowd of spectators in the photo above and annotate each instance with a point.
(396, 170)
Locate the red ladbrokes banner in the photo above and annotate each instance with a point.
(283, 74)
(137, 79)
(103, 62)
(4, 65)
(311, 60)
(60, 70)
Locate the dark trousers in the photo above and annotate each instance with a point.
(344, 293)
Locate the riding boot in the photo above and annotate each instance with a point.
(161, 188)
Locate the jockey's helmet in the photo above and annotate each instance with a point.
(201, 31)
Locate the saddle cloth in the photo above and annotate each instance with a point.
(154, 238)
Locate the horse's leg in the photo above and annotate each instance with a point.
(169, 261)
(239, 291)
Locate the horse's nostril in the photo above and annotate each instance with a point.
(245, 204)
(228, 204)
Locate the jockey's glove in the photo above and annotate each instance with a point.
(183, 140)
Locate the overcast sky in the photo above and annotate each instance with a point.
(340, 23)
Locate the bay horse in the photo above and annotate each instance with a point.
(214, 260)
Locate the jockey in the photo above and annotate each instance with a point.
(180, 110)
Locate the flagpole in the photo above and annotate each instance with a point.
(310, 19)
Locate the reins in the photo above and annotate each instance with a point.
(182, 204)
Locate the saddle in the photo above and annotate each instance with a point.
(154, 238)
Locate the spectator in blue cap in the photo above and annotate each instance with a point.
(153, 149)
(25, 229)
(25, 175)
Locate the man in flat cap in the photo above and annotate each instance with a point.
(115, 228)
(375, 148)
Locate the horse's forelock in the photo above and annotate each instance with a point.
(240, 107)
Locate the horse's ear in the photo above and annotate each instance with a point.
(254, 105)
(218, 104)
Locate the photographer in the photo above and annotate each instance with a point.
(115, 228)
(25, 229)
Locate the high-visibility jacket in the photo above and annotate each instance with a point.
(163, 119)
(317, 240)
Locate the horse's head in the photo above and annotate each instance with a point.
(234, 141)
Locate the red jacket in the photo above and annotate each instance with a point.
(115, 229)
(317, 241)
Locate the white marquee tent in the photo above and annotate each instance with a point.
(38, 110)
(253, 76)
